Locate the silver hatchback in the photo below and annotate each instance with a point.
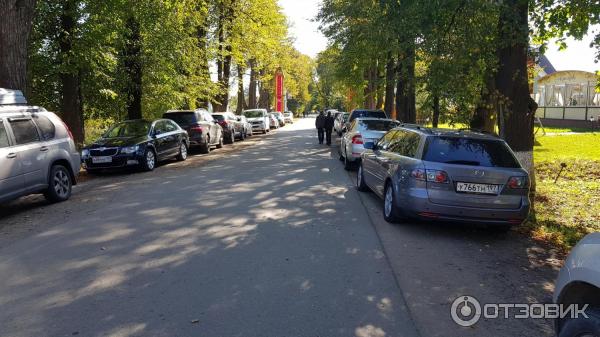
(446, 175)
(37, 151)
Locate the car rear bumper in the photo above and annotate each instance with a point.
(416, 204)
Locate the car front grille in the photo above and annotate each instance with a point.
(104, 152)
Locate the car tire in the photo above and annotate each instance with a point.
(581, 326)
(390, 212)
(348, 165)
(231, 138)
(183, 152)
(149, 162)
(221, 141)
(360, 180)
(205, 147)
(60, 184)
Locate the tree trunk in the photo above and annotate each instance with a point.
(485, 115)
(203, 68)
(514, 102)
(264, 101)
(380, 84)
(436, 110)
(16, 17)
(390, 76)
(241, 104)
(371, 88)
(252, 102)
(71, 105)
(133, 67)
(405, 91)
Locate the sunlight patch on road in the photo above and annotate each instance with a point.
(369, 331)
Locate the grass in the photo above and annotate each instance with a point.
(568, 209)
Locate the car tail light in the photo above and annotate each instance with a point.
(433, 176)
(357, 139)
(517, 182)
(197, 129)
(223, 123)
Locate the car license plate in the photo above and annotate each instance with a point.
(477, 188)
(101, 160)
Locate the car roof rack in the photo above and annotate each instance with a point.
(416, 127)
(477, 130)
(12, 97)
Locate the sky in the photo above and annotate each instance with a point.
(309, 41)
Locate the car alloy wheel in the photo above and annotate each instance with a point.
(182, 152)
(150, 160)
(62, 183)
(388, 201)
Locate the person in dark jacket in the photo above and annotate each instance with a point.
(320, 124)
(329, 121)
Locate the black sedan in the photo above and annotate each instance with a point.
(137, 143)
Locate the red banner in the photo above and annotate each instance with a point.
(279, 91)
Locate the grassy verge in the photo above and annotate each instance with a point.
(568, 209)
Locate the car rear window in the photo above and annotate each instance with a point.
(368, 114)
(182, 118)
(375, 125)
(46, 127)
(3, 136)
(468, 151)
(220, 118)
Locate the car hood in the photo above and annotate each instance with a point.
(256, 119)
(118, 142)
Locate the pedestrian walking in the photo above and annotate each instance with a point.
(320, 124)
(329, 121)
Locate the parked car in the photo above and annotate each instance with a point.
(232, 128)
(260, 120)
(203, 130)
(247, 125)
(364, 113)
(339, 124)
(137, 143)
(273, 121)
(446, 175)
(37, 151)
(289, 117)
(579, 283)
(362, 130)
(280, 118)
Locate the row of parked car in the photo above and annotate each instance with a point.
(38, 153)
(465, 176)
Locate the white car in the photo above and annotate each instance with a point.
(289, 117)
(579, 283)
(260, 120)
(361, 131)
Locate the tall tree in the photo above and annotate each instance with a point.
(15, 26)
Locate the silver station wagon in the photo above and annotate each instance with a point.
(37, 151)
(446, 175)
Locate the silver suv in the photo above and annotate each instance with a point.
(37, 151)
(446, 175)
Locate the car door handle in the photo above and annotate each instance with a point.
(11, 155)
(44, 148)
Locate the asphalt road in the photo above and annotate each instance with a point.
(266, 238)
(269, 240)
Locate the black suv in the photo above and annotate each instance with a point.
(202, 128)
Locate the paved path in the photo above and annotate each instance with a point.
(272, 240)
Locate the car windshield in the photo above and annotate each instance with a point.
(220, 118)
(182, 118)
(369, 113)
(474, 152)
(129, 129)
(376, 125)
(346, 117)
(253, 113)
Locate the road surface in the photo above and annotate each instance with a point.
(268, 238)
